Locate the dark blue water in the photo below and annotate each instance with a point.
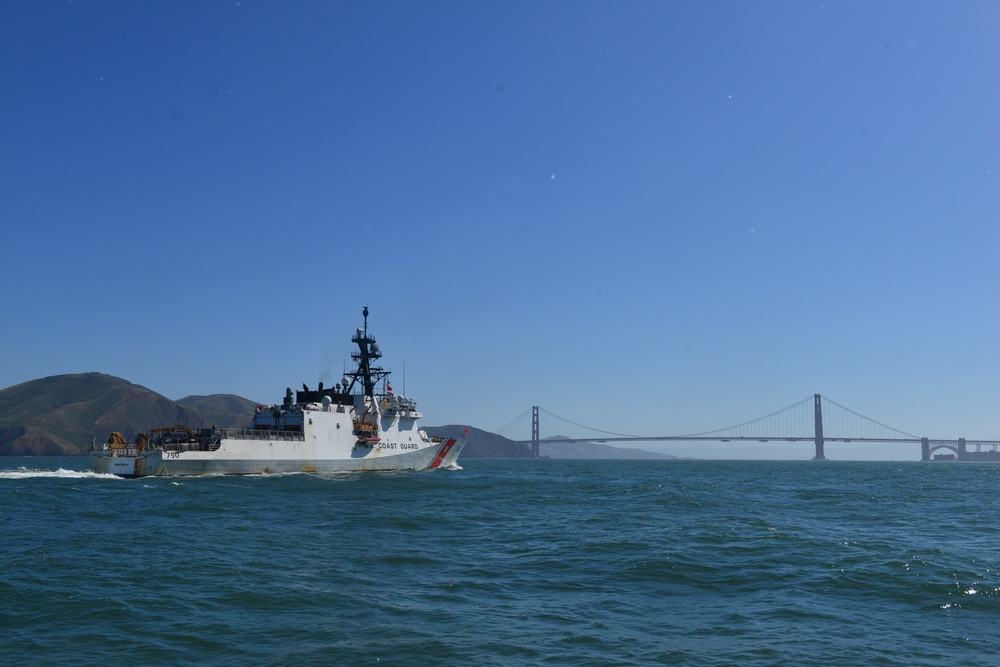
(505, 563)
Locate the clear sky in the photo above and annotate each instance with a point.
(653, 217)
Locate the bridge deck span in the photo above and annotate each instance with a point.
(748, 438)
(928, 446)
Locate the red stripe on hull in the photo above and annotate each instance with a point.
(445, 448)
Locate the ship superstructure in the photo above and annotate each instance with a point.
(358, 424)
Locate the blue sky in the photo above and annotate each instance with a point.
(654, 217)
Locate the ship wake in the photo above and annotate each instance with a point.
(60, 473)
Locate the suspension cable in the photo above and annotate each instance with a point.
(787, 409)
(753, 421)
(858, 414)
(513, 421)
(589, 428)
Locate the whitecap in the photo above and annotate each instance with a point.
(61, 473)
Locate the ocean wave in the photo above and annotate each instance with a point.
(60, 473)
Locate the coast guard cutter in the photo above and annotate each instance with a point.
(358, 424)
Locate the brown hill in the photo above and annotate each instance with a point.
(223, 410)
(62, 414)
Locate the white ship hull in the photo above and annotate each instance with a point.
(264, 453)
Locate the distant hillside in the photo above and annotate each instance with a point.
(60, 415)
(482, 444)
(594, 450)
(223, 410)
(486, 445)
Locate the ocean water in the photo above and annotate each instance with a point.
(506, 562)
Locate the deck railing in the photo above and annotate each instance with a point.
(207, 444)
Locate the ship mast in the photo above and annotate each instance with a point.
(367, 375)
(368, 352)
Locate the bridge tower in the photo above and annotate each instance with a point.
(535, 445)
(819, 428)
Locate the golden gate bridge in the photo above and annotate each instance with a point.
(815, 418)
